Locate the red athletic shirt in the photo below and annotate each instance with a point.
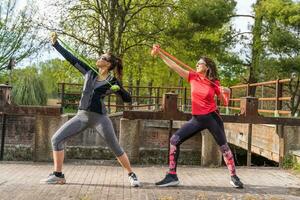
(202, 94)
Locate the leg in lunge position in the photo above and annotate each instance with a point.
(185, 132)
(216, 127)
(104, 127)
(229, 161)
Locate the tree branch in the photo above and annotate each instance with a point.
(251, 16)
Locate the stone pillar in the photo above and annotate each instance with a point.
(45, 127)
(129, 138)
(210, 154)
(289, 140)
(249, 106)
(5, 96)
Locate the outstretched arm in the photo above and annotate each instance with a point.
(179, 70)
(81, 66)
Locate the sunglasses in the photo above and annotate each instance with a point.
(104, 58)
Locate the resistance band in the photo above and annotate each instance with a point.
(177, 61)
(113, 87)
(174, 59)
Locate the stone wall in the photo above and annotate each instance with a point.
(25, 127)
(155, 134)
(25, 135)
(23, 142)
(292, 136)
(154, 139)
(19, 137)
(28, 138)
(19, 129)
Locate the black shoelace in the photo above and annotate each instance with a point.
(133, 176)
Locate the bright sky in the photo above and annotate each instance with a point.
(242, 23)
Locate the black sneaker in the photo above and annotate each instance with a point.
(235, 182)
(169, 180)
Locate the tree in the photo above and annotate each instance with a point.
(18, 36)
(48, 74)
(113, 25)
(29, 89)
(282, 43)
(203, 28)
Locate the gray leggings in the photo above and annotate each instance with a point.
(83, 120)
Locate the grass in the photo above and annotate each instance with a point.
(70, 110)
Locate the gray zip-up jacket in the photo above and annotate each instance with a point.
(92, 99)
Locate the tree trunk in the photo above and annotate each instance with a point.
(295, 96)
(257, 50)
(137, 91)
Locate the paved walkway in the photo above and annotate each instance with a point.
(88, 181)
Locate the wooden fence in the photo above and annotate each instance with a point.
(143, 97)
(273, 97)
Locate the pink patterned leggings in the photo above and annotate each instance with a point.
(214, 124)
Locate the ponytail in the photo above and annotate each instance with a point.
(117, 63)
(212, 72)
(119, 67)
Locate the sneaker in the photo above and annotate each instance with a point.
(169, 180)
(134, 182)
(235, 182)
(52, 179)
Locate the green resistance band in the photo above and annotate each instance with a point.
(113, 87)
(78, 55)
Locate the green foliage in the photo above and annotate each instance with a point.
(18, 33)
(185, 28)
(139, 66)
(146, 69)
(29, 90)
(198, 16)
(70, 100)
(286, 12)
(290, 163)
(203, 28)
(210, 14)
(57, 71)
(282, 40)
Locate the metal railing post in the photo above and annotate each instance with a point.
(62, 97)
(3, 135)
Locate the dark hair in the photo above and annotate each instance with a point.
(116, 63)
(212, 72)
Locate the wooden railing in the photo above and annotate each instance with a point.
(271, 96)
(267, 104)
(143, 97)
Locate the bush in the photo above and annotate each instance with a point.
(290, 163)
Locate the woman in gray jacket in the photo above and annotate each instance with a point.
(91, 111)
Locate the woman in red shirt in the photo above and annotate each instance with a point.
(204, 86)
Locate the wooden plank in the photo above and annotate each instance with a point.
(182, 116)
(249, 145)
(211, 183)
